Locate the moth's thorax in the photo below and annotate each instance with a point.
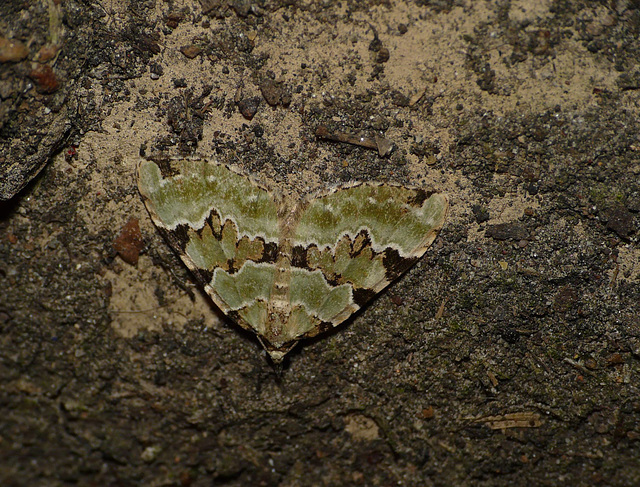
(276, 322)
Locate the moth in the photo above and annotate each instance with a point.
(287, 268)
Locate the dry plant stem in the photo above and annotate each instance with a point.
(367, 142)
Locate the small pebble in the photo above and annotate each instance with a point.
(190, 51)
(382, 56)
(12, 50)
(249, 107)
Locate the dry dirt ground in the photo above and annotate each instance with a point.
(510, 355)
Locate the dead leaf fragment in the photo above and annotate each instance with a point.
(47, 53)
(45, 78)
(427, 413)
(129, 243)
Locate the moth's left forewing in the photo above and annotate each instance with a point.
(223, 226)
(358, 239)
